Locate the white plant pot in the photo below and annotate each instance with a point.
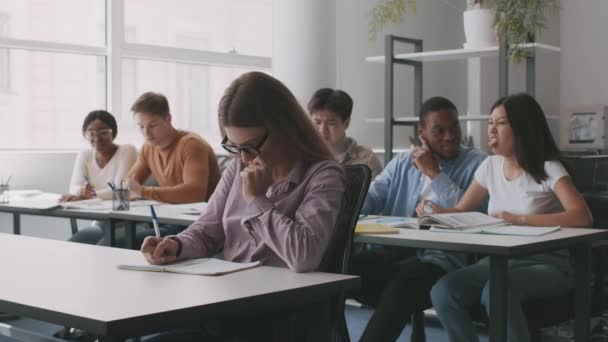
(478, 29)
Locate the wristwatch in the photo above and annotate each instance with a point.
(427, 207)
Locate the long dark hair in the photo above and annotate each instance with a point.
(257, 99)
(534, 144)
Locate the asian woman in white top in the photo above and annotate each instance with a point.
(527, 185)
(104, 162)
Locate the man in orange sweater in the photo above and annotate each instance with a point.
(183, 163)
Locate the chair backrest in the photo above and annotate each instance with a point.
(337, 255)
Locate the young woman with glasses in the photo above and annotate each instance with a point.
(104, 162)
(278, 200)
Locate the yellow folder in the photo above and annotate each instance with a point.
(375, 228)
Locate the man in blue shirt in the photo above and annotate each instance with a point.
(439, 171)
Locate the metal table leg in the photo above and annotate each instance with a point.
(582, 294)
(498, 298)
(109, 234)
(16, 224)
(130, 234)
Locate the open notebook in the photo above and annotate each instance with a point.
(502, 230)
(203, 266)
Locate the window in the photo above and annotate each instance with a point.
(57, 63)
(51, 95)
(78, 22)
(193, 91)
(230, 26)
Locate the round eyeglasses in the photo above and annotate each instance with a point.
(102, 133)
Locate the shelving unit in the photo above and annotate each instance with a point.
(416, 60)
(414, 119)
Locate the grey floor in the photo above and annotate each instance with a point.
(356, 318)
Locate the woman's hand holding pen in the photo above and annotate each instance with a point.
(256, 178)
(159, 252)
(88, 192)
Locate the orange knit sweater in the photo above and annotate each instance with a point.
(186, 171)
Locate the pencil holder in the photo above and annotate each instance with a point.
(4, 193)
(120, 199)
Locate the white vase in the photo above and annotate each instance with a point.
(478, 29)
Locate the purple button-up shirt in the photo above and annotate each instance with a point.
(289, 227)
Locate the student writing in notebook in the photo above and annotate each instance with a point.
(104, 162)
(278, 200)
(527, 185)
(330, 110)
(440, 170)
(182, 163)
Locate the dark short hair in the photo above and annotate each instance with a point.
(103, 116)
(334, 100)
(534, 144)
(151, 102)
(436, 104)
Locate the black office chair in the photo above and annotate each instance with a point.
(337, 256)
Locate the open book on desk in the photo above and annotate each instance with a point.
(460, 221)
(204, 266)
(502, 230)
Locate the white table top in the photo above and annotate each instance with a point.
(485, 243)
(166, 213)
(79, 285)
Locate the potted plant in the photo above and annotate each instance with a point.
(519, 21)
(478, 22)
(388, 11)
(515, 21)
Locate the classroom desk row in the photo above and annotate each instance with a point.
(167, 214)
(499, 248)
(42, 279)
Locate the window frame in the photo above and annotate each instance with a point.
(117, 49)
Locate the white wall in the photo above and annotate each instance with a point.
(304, 45)
(584, 64)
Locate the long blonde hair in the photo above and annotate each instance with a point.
(256, 99)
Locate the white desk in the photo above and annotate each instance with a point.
(96, 296)
(167, 214)
(500, 248)
(37, 208)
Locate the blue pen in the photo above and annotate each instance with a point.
(155, 223)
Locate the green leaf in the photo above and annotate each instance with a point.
(388, 12)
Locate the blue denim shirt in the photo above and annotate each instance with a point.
(395, 192)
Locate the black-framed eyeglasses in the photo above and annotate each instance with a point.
(252, 150)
